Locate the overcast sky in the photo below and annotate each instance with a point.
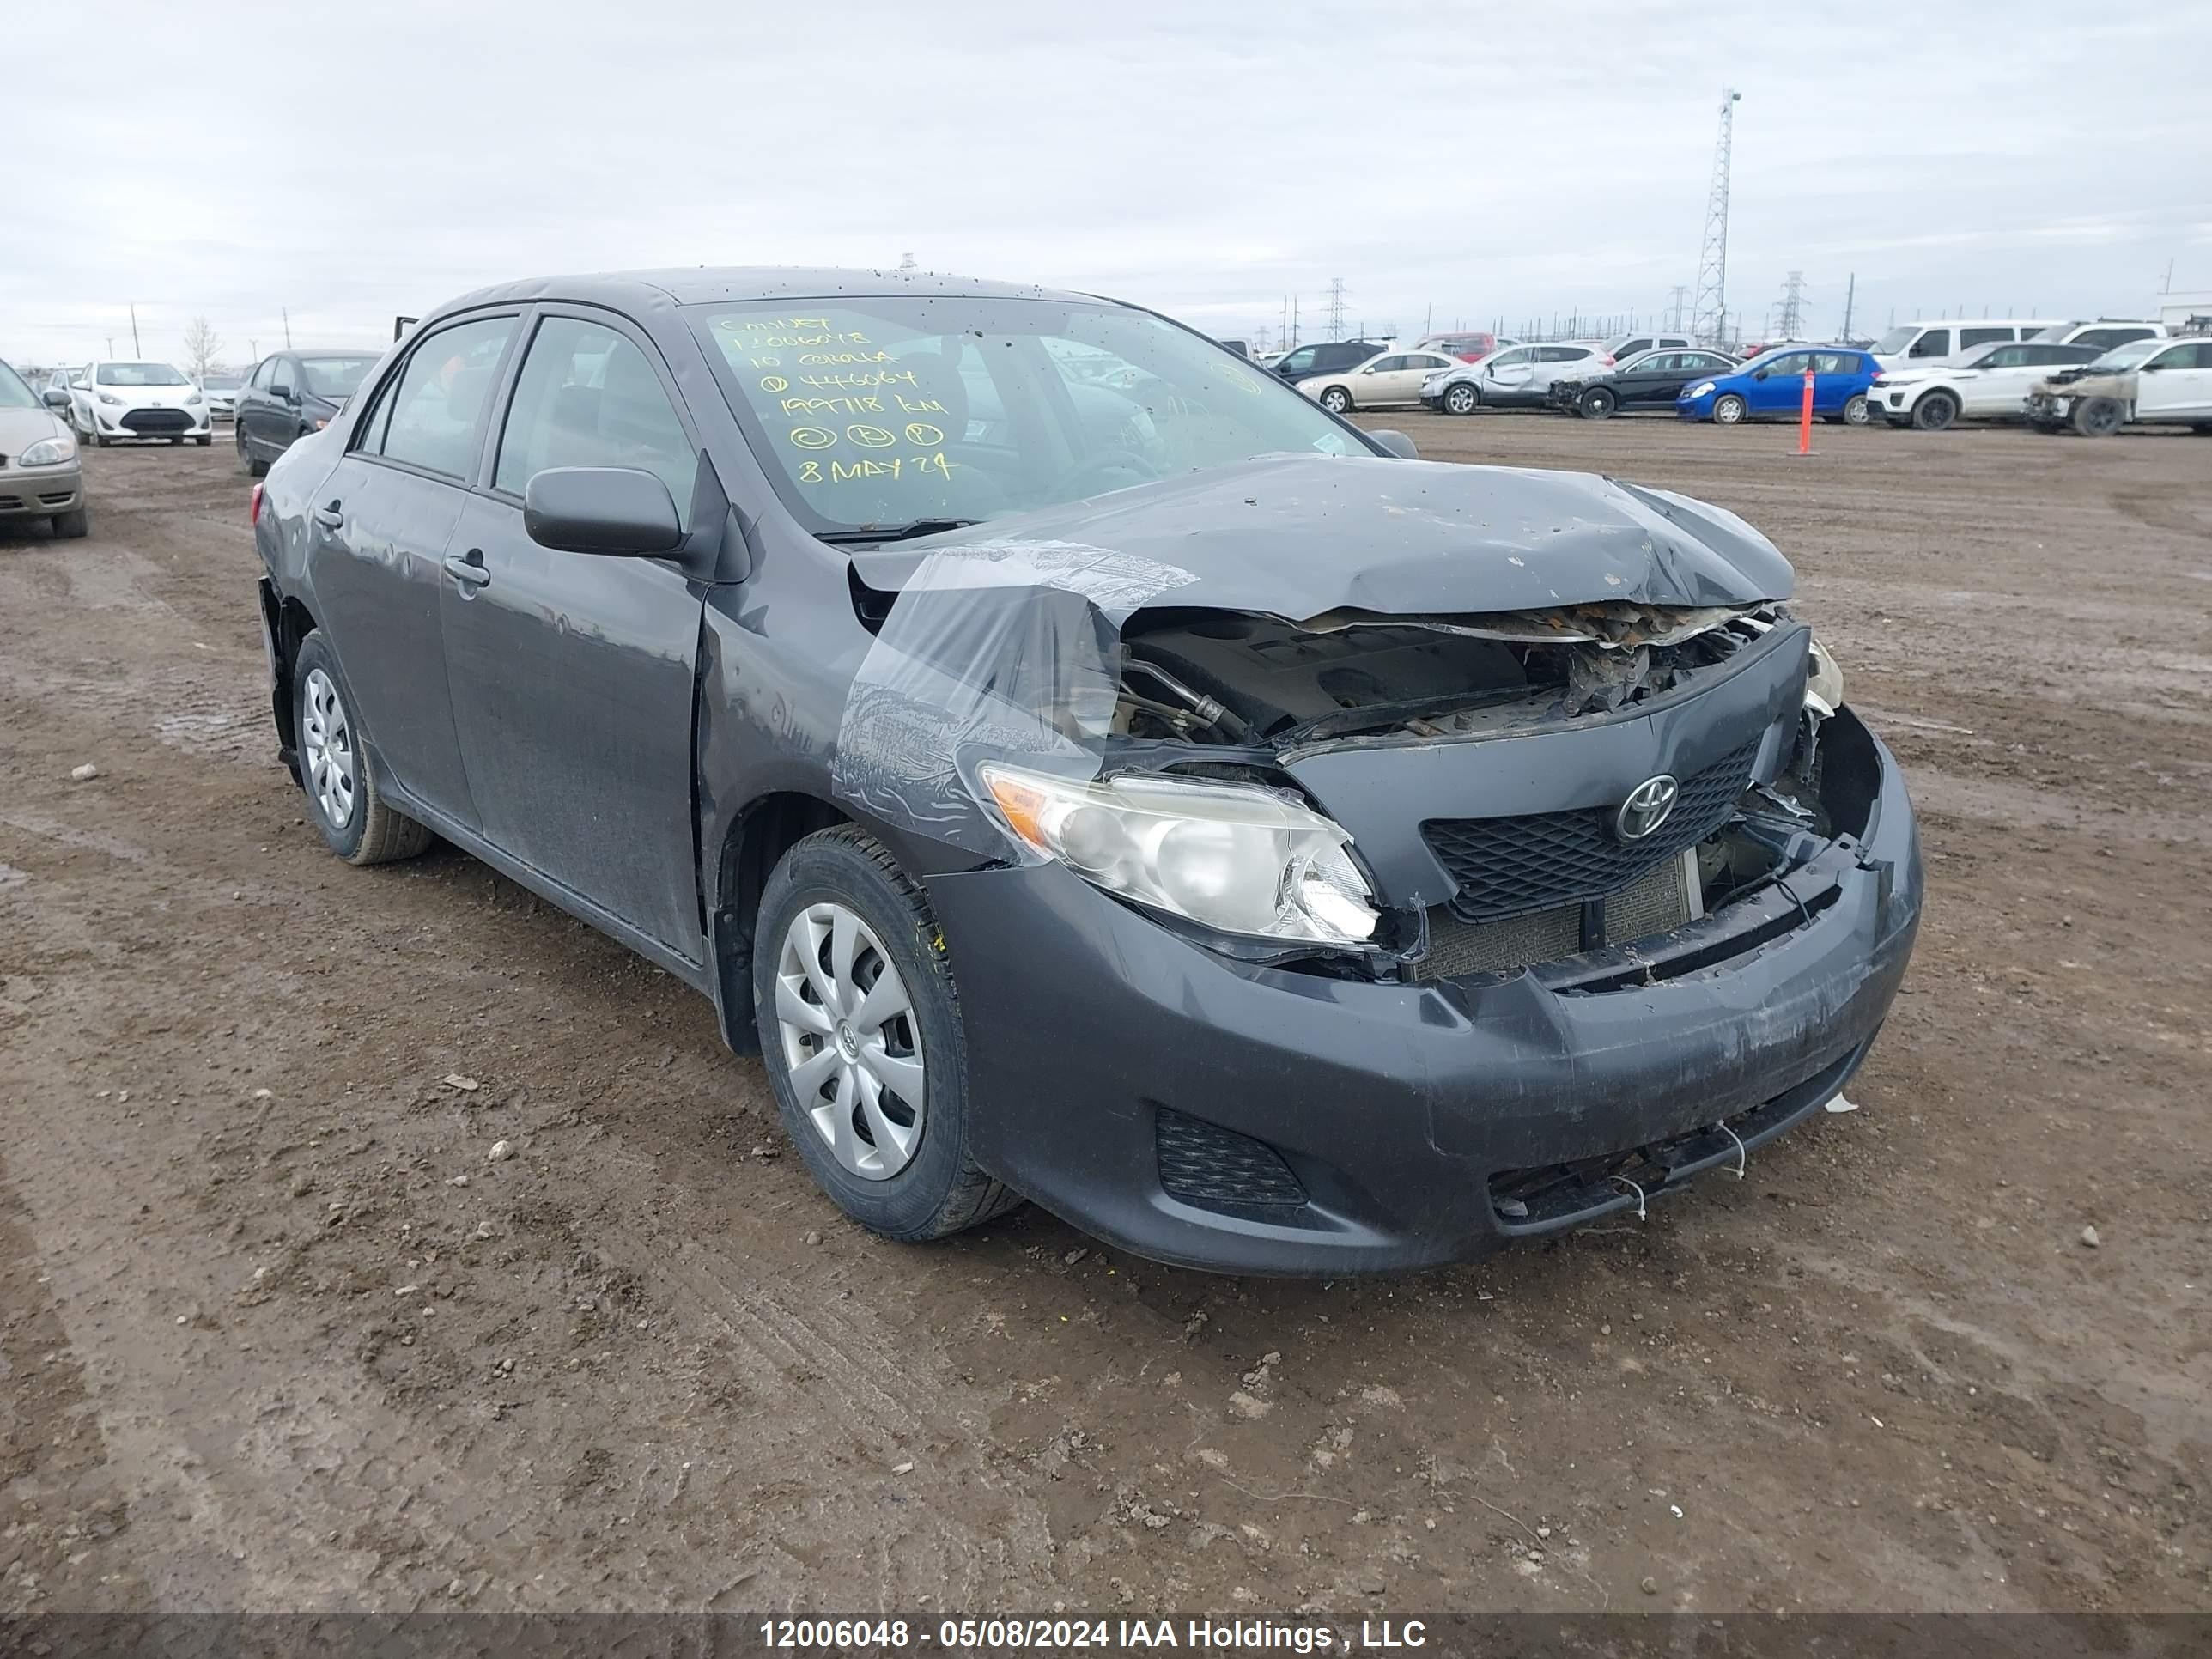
(1456, 161)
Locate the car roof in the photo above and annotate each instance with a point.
(704, 285)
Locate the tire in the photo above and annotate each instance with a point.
(1935, 411)
(204, 440)
(71, 527)
(1461, 398)
(100, 440)
(255, 467)
(1597, 403)
(2099, 417)
(933, 1186)
(1336, 401)
(1729, 410)
(365, 831)
(1857, 411)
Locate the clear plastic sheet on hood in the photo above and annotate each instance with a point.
(993, 650)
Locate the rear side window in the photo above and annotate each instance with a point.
(440, 396)
(1836, 362)
(588, 397)
(1935, 342)
(1970, 337)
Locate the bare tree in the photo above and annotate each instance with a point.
(202, 346)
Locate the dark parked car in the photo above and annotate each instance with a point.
(288, 395)
(1338, 356)
(1651, 380)
(976, 767)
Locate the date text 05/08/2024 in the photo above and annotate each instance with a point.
(1008, 1635)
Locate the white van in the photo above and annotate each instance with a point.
(1913, 342)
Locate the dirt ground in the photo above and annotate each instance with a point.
(262, 1349)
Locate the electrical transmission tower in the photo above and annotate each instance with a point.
(1678, 307)
(1792, 319)
(1336, 308)
(1712, 326)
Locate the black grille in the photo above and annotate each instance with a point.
(149, 421)
(1204, 1163)
(1509, 866)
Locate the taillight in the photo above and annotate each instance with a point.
(1607, 361)
(254, 516)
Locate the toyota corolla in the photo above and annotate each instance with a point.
(1086, 771)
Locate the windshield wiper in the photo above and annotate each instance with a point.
(894, 532)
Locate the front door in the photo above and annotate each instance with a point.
(2176, 383)
(1779, 388)
(573, 672)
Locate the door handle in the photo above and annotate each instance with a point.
(329, 517)
(468, 569)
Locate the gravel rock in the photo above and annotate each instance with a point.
(2089, 1237)
(501, 1151)
(84, 774)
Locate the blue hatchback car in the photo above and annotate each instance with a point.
(1771, 386)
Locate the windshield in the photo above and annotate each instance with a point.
(1896, 340)
(139, 374)
(2133, 355)
(13, 393)
(334, 378)
(219, 382)
(886, 411)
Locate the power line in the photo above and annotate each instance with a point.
(1712, 258)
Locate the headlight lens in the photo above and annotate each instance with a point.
(1700, 389)
(192, 400)
(47, 452)
(109, 397)
(1824, 684)
(1235, 859)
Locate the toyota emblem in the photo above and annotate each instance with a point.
(1646, 808)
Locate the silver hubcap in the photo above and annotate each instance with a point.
(1727, 413)
(852, 1048)
(327, 744)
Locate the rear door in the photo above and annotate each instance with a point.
(2176, 385)
(1838, 377)
(379, 530)
(573, 672)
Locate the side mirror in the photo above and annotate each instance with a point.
(284, 393)
(2154, 368)
(1397, 443)
(56, 397)
(1760, 374)
(617, 510)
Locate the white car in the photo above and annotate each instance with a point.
(110, 399)
(1386, 378)
(221, 390)
(2154, 379)
(1518, 377)
(1990, 382)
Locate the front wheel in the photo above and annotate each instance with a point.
(861, 1034)
(1461, 399)
(2097, 417)
(1729, 410)
(204, 440)
(254, 466)
(1934, 411)
(100, 440)
(1597, 403)
(343, 797)
(1857, 411)
(1336, 401)
(71, 527)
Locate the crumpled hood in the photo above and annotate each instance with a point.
(1296, 536)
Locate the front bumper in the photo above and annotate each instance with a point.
(1696, 409)
(159, 423)
(1102, 1044)
(34, 492)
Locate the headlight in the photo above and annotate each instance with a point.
(191, 400)
(109, 397)
(1700, 389)
(1824, 685)
(47, 452)
(1230, 857)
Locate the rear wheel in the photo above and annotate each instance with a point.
(343, 798)
(1934, 411)
(1729, 410)
(1598, 402)
(1336, 401)
(861, 1034)
(69, 526)
(1461, 399)
(2097, 417)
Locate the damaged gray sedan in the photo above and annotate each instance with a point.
(1086, 771)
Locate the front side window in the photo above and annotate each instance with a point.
(1935, 343)
(433, 409)
(2105, 339)
(1633, 346)
(1390, 365)
(139, 374)
(883, 411)
(334, 378)
(2188, 356)
(1512, 359)
(2133, 355)
(1299, 360)
(262, 372)
(15, 393)
(588, 397)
